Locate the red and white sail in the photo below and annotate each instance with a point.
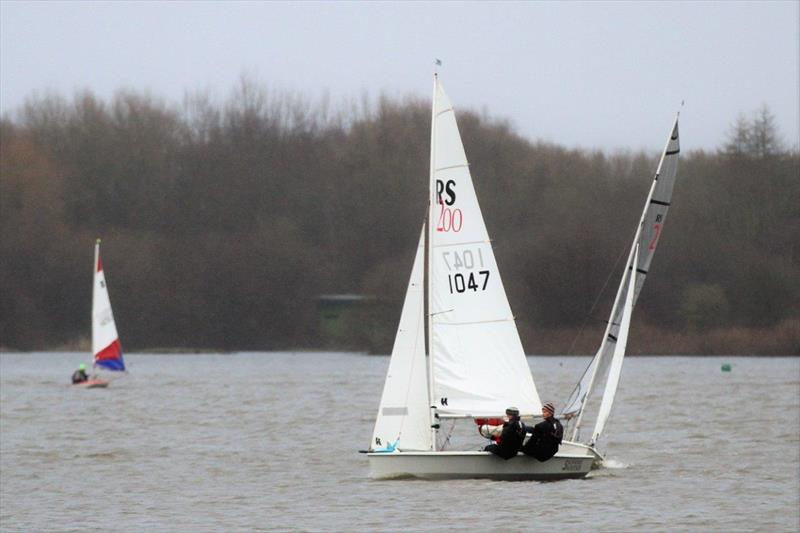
(105, 340)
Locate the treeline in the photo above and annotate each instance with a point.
(223, 223)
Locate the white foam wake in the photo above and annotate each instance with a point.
(614, 464)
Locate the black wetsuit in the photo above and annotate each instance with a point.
(510, 440)
(79, 376)
(546, 438)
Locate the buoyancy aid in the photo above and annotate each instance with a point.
(490, 428)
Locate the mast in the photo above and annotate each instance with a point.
(94, 290)
(429, 269)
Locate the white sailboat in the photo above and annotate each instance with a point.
(456, 310)
(607, 362)
(106, 348)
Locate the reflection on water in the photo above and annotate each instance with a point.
(268, 441)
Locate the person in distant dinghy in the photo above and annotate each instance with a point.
(511, 435)
(79, 376)
(546, 437)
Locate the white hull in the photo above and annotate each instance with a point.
(572, 461)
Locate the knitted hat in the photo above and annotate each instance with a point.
(549, 407)
(512, 411)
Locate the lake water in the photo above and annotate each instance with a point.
(268, 441)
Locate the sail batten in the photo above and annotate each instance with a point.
(446, 245)
(475, 322)
(463, 165)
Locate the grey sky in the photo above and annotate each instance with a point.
(605, 75)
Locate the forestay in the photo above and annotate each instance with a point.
(105, 341)
(478, 364)
(647, 236)
(403, 421)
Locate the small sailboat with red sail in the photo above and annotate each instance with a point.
(106, 347)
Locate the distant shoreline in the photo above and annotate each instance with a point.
(782, 340)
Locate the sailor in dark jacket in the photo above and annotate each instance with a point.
(511, 437)
(79, 376)
(546, 437)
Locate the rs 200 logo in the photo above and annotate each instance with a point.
(448, 219)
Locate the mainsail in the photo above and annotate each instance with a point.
(478, 365)
(403, 421)
(646, 238)
(105, 341)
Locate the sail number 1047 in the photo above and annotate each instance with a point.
(465, 278)
(462, 283)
